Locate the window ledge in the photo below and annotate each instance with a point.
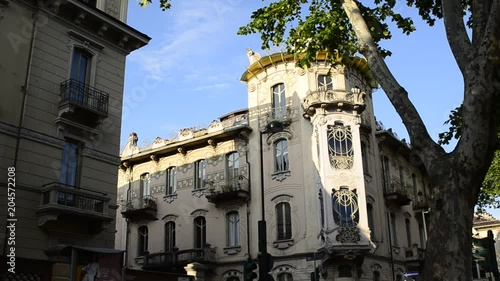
(283, 244)
(169, 198)
(139, 260)
(232, 250)
(280, 176)
(199, 192)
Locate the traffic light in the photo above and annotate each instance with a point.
(484, 252)
(248, 270)
(266, 264)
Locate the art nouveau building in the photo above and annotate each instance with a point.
(61, 75)
(340, 192)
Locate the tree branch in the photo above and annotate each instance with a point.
(480, 9)
(456, 33)
(420, 139)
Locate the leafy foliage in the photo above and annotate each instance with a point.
(489, 197)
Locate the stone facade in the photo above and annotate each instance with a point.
(61, 76)
(341, 193)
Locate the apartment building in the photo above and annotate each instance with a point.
(340, 194)
(62, 77)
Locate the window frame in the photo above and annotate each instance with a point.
(170, 238)
(145, 185)
(200, 176)
(282, 160)
(70, 164)
(326, 85)
(284, 229)
(279, 100)
(143, 240)
(200, 232)
(232, 169)
(233, 229)
(171, 180)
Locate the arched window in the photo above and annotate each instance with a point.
(340, 146)
(408, 231)
(376, 276)
(233, 229)
(279, 101)
(364, 155)
(325, 82)
(145, 185)
(233, 168)
(285, 277)
(281, 156)
(200, 232)
(284, 221)
(171, 181)
(200, 173)
(169, 236)
(371, 222)
(142, 240)
(345, 207)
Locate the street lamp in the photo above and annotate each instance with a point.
(265, 260)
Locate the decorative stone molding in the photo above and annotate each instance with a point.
(170, 198)
(283, 244)
(159, 142)
(285, 134)
(252, 87)
(158, 189)
(282, 198)
(199, 192)
(101, 156)
(284, 268)
(199, 212)
(232, 250)
(215, 126)
(131, 146)
(185, 134)
(301, 71)
(232, 273)
(171, 217)
(280, 176)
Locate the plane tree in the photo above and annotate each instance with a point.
(348, 28)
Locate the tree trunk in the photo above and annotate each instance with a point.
(448, 252)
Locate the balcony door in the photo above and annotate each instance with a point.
(80, 68)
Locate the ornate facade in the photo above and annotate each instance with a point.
(341, 194)
(61, 77)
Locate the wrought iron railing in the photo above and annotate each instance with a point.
(74, 197)
(139, 203)
(196, 255)
(396, 186)
(80, 94)
(323, 96)
(238, 183)
(159, 259)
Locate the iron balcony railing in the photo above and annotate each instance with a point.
(76, 198)
(183, 257)
(139, 203)
(80, 94)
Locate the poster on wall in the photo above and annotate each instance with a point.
(97, 264)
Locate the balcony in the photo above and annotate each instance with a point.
(414, 257)
(165, 261)
(140, 208)
(282, 115)
(231, 190)
(334, 99)
(421, 204)
(82, 104)
(61, 205)
(397, 193)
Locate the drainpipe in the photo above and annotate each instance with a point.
(249, 192)
(24, 90)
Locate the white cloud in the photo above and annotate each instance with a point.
(217, 86)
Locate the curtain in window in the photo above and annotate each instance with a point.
(143, 240)
(145, 185)
(233, 229)
(171, 180)
(281, 156)
(200, 174)
(69, 164)
(279, 100)
(233, 167)
(200, 232)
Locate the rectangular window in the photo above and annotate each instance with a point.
(279, 101)
(233, 229)
(69, 164)
(145, 185)
(408, 232)
(200, 232)
(281, 156)
(325, 82)
(232, 168)
(171, 181)
(371, 222)
(401, 177)
(169, 236)
(200, 174)
(284, 221)
(387, 173)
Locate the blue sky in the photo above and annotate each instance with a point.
(189, 73)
